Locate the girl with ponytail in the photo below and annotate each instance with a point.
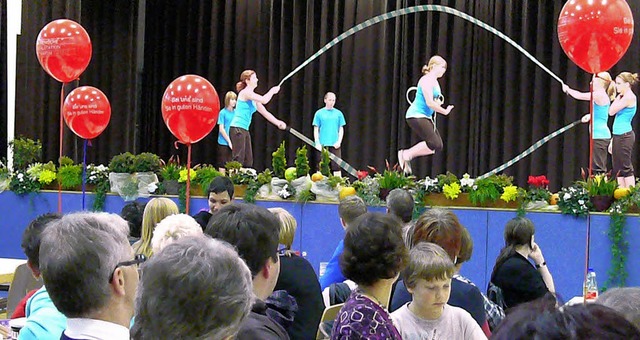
(604, 92)
(624, 108)
(513, 273)
(421, 115)
(249, 102)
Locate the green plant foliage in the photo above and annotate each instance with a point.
(206, 174)
(146, 162)
(305, 196)
(250, 193)
(123, 163)
(21, 183)
(25, 151)
(64, 160)
(182, 197)
(600, 185)
(487, 190)
(232, 166)
(279, 161)
(264, 177)
(302, 162)
(392, 179)
(70, 176)
(448, 178)
(325, 163)
(100, 195)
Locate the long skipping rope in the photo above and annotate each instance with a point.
(416, 9)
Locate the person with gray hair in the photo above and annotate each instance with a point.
(172, 228)
(350, 208)
(195, 288)
(400, 203)
(625, 301)
(90, 272)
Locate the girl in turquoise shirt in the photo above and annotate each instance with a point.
(624, 108)
(224, 121)
(421, 114)
(604, 92)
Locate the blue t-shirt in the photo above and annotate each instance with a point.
(622, 123)
(333, 273)
(44, 321)
(329, 122)
(600, 119)
(224, 118)
(243, 114)
(419, 107)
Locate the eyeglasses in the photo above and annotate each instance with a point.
(137, 259)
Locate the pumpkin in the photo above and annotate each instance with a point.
(347, 191)
(620, 193)
(317, 177)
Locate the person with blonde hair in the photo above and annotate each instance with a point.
(248, 102)
(604, 91)
(299, 279)
(224, 121)
(172, 228)
(624, 108)
(155, 211)
(421, 115)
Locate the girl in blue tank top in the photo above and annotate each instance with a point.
(248, 103)
(421, 114)
(603, 93)
(624, 108)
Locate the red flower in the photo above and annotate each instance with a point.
(362, 174)
(538, 181)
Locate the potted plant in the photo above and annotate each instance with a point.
(25, 151)
(538, 194)
(325, 163)
(302, 162)
(5, 176)
(170, 173)
(390, 179)
(70, 176)
(600, 188)
(134, 176)
(279, 161)
(98, 176)
(206, 174)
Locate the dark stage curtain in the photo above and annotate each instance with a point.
(503, 102)
(3, 79)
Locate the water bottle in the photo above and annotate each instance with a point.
(590, 286)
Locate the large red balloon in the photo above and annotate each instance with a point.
(595, 34)
(64, 49)
(190, 108)
(87, 112)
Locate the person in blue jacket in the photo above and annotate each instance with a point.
(224, 122)
(421, 115)
(604, 92)
(624, 108)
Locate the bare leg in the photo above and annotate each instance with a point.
(420, 149)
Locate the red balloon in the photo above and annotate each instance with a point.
(595, 34)
(190, 108)
(87, 112)
(64, 49)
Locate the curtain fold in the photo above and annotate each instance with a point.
(503, 102)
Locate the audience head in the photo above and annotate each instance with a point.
(89, 267)
(373, 249)
(439, 226)
(466, 248)
(254, 231)
(400, 203)
(195, 288)
(155, 211)
(540, 319)
(288, 226)
(625, 301)
(172, 228)
(220, 193)
(132, 213)
(428, 278)
(350, 208)
(31, 238)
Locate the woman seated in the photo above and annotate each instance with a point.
(155, 211)
(374, 254)
(518, 279)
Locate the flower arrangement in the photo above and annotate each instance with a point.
(574, 200)
(538, 189)
(431, 185)
(444, 179)
(279, 161)
(244, 176)
(183, 175)
(45, 174)
(451, 191)
(467, 183)
(70, 176)
(302, 162)
(599, 185)
(510, 193)
(98, 175)
(21, 183)
(206, 174)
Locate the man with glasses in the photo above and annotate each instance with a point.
(91, 274)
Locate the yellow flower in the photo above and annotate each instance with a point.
(183, 175)
(510, 193)
(451, 191)
(46, 177)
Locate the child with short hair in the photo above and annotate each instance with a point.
(428, 316)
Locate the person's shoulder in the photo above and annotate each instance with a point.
(260, 326)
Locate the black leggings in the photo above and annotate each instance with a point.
(423, 127)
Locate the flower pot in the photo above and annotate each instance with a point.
(239, 190)
(601, 202)
(132, 186)
(384, 193)
(171, 186)
(439, 200)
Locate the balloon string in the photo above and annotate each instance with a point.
(416, 9)
(591, 127)
(84, 172)
(60, 155)
(188, 193)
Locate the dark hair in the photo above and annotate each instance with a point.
(400, 203)
(132, 213)
(253, 230)
(517, 232)
(350, 208)
(32, 235)
(439, 226)
(540, 319)
(373, 249)
(220, 184)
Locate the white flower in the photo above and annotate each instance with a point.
(20, 175)
(466, 181)
(152, 187)
(566, 196)
(284, 193)
(581, 202)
